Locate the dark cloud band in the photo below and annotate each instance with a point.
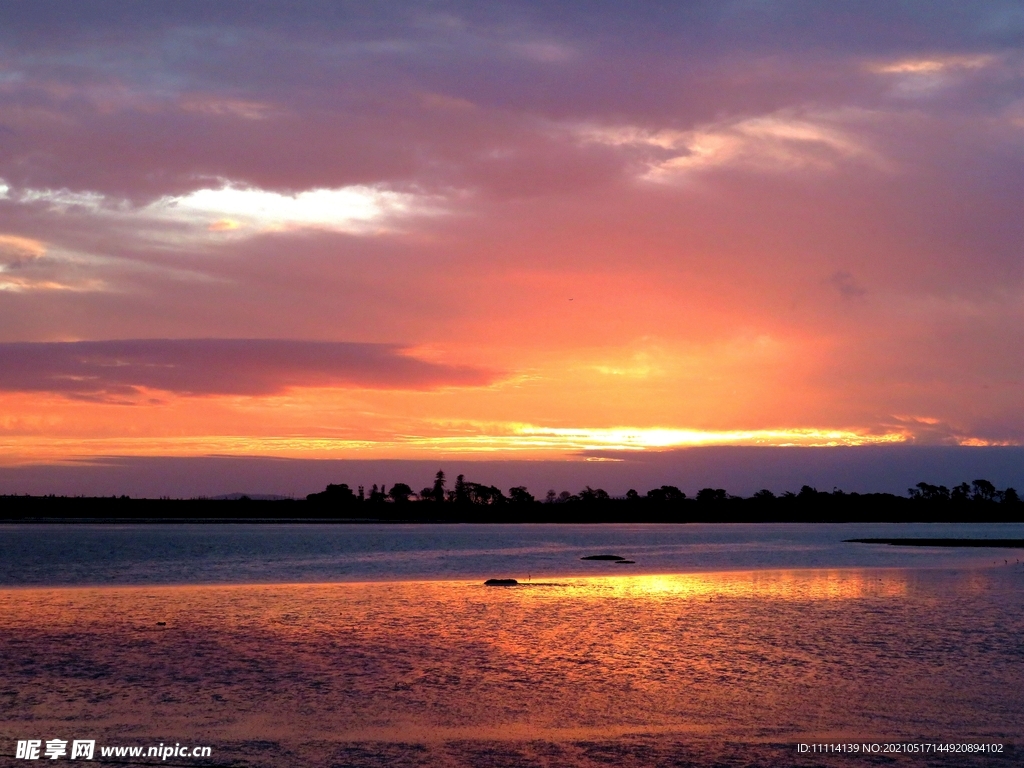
(218, 367)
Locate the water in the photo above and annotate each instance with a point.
(379, 646)
(67, 555)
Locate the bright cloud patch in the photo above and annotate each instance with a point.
(243, 210)
(930, 66)
(233, 208)
(18, 284)
(531, 439)
(768, 143)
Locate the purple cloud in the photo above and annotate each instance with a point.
(102, 369)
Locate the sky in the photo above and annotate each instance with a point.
(546, 231)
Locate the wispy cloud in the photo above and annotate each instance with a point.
(20, 284)
(930, 65)
(773, 143)
(15, 249)
(64, 200)
(925, 75)
(28, 264)
(247, 109)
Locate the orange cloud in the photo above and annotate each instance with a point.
(14, 246)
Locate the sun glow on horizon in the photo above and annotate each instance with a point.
(625, 438)
(494, 441)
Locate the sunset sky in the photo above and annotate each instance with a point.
(508, 230)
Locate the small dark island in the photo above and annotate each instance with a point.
(501, 583)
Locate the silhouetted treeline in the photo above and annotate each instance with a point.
(57, 508)
(466, 501)
(476, 502)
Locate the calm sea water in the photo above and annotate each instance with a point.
(379, 646)
(216, 554)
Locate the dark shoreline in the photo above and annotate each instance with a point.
(808, 507)
(45, 520)
(907, 542)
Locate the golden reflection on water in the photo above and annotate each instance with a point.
(238, 606)
(737, 655)
(775, 585)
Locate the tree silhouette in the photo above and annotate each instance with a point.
(807, 493)
(461, 491)
(438, 492)
(983, 490)
(669, 504)
(334, 494)
(713, 495)
(960, 493)
(927, 492)
(666, 493)
(484, 494)
(519, 495)
(400, 493)
(590, 495)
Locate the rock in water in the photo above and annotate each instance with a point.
(500, 583)
(602, 557)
